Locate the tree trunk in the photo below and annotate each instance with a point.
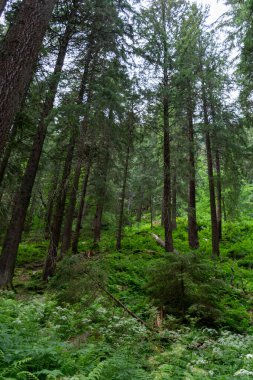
(219, 192)
(50, 263)
(2, 6)
(192, 217)
(139, 210)
(7, 152)
(174, 201)
(122, 199)
(67, 230)
(151, 212)
(215, 234)
(81, 208)
(224, 209)
(166, 140)
(97, 221)
(22, 198)
(52, 196)
(18, 56)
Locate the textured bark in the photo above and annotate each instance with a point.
(122, 199)
(192, 217)
(7, 152)
(67, 230)
(2, 6)
(50, 205)
(22, 198)
(151, 212)
(166, 142)
(50, 263)
(139, 209)
(219, 194)
(97, 221)
(174, 200)
(18, 57)
(215, 234)
(81, 208)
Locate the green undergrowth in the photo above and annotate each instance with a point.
(76, 330)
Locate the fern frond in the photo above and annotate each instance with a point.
(25, 375)
(2, 357)
(96, 373)
(21, 364)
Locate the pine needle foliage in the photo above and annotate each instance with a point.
(188, 285)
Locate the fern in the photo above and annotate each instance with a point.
(97, 372)
(26, 375)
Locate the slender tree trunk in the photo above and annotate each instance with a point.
(7, 152)
(219, 194)
(215, 233)
(224, 209)
(2, 6)
(50, 263)
(151, 212)
(67, 230)
(22, 198)
(97, 221)
(139, 210)
(166, 148)
(30, 214)
(122, 199)
(50, 205)
(174, 200)
(81, 208)
(192, 217)
(18, 57)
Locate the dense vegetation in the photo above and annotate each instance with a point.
(125, 190)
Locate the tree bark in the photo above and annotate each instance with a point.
(7, 152)
(215, 234)
(219, 194)
(67, 230)
(22, 198)
(81, 208)
(166, 139)
(50, 263)
(151, 212)
(2, 6)
(139, 209)
(192, 217)
(18, 57)
(50, 205)
(97, 221)
(122, 199)
(174, 201)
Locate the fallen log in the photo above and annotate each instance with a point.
(162, 243)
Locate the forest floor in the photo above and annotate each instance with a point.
(72, 328)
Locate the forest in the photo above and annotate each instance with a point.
(126, 189)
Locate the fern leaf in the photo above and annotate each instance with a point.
(97, 372)
(25, 375)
